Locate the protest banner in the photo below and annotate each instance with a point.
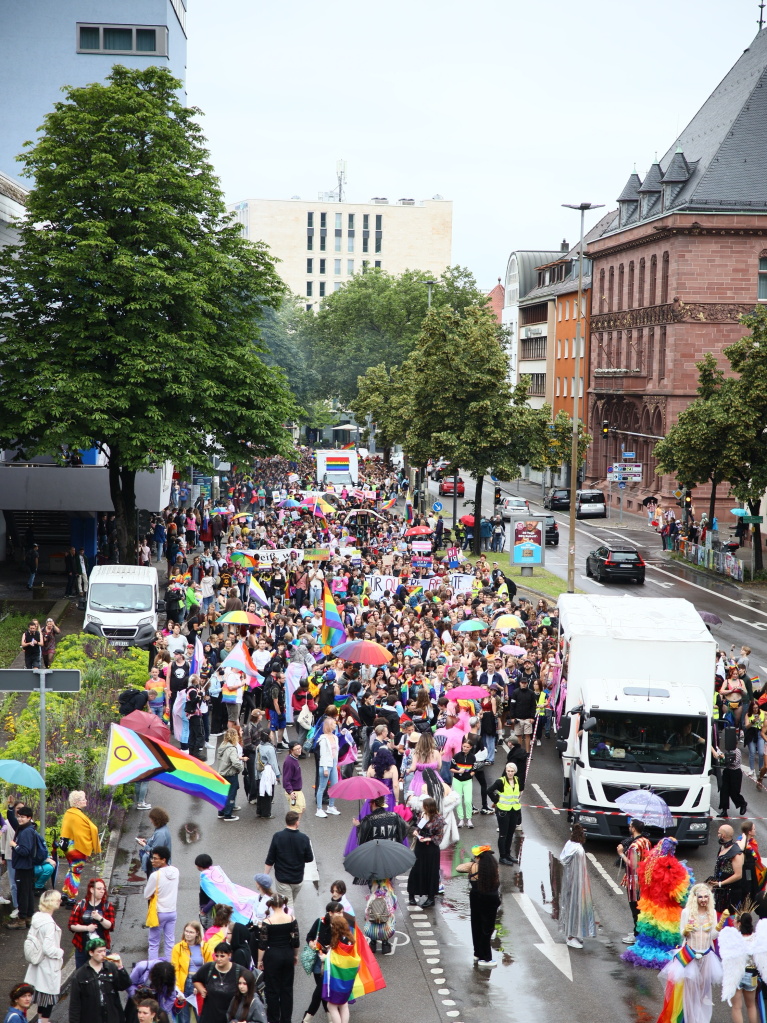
(381, 585)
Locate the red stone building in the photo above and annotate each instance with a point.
(682, 258)
(497, 299)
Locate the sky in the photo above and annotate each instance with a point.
(507, 108)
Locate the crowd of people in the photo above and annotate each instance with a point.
(260, 698)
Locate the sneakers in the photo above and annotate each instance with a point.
(629, 939)
(237, 808)
(460, 823)
(486, 964)
(143, 806)
(336, 813)
(4, 902)
(232, 818)
(14, 914)
(469, 824)
(574, 943)
(320, 813)
(486, 809)
(537, 743)
(252, 802)
(386, 948)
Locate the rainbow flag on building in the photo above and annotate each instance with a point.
(333, 631)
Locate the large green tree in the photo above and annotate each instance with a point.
(375, 318)
(460, 405)
(131, 300)
(558, 443)
(380, 395)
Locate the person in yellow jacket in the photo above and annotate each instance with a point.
(80, 839)
(508, 811)
(187, 956)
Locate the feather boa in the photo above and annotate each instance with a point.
(665, 884)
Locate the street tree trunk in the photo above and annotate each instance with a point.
(712, 501)
(122, 490)
(756, 537)
(477, 545)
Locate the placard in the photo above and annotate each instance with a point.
(460, 583)
(421, 546)
(272, 555)
(381, 585)
(421, 562)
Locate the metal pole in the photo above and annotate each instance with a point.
(620, 490)
(455, 502)
(42, 673)
(576, 395)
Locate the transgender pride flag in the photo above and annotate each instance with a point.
(197, 658)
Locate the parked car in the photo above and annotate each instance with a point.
(557, 499)
(590, 504)
(615, 561)
(513, 506)
(446, 486)
(552, 532)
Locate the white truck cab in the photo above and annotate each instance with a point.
(123, 601)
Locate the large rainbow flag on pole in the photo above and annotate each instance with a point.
(333, 631)
(409, 506)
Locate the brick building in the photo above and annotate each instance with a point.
(674, 268)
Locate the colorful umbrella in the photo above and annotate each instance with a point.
(241, 618)
(362, 651)
(289, 503)
(318, 505)
(241, 558)
(467, 693)
(358, 788)
(418, 531)
(220, 511)
(510, 648)
(472, 625)
(507, 622)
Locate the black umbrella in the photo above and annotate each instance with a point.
(379, 859)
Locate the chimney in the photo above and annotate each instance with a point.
(564, 247)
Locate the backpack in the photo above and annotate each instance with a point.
(33, 947)
(40, 853)
(377, 909)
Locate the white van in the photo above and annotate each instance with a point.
(123, 601)
(590, 504)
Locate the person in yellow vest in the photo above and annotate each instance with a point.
(80, 839)
(504, 793)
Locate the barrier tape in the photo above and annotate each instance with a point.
(621, 813)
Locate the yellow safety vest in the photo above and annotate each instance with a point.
(509, 798)
(541, 708)
(716, 708)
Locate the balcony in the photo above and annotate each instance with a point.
(619, 379)
(25, 485)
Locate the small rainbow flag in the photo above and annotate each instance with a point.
(333, 631)
(389, 504)
(415, 595)
(685, 955)
(347, 447)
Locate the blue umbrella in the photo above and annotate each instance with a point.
(472, 625)
(18, 773)
(644, 805)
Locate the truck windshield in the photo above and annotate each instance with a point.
(121, 597)
(648, 742)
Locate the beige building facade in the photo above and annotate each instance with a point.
(322, 244)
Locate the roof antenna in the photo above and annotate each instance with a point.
(761, 15)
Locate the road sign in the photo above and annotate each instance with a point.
(677, 493)
(752, 520)
(622, 486)
(625, 467)
(629, 454)
(437, 506)
(610, 469)
(26, 680)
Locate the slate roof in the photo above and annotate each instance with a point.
(546, 291)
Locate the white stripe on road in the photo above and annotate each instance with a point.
(546, 799)
(605, 876)
(657, 582)
(590, 579)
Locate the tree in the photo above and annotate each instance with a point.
(283, 332)
(460, 404)
(319, 414)
(380, 395)
(131, 299)
(558, 443)
(376, 318)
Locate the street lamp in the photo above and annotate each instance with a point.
(430, 285)
(576, 395)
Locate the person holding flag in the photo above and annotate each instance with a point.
(333, 631)
(341, 966)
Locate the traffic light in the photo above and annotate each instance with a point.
(497, 495)
(605, 428)
(688, 501)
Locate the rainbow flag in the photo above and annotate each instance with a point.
(369, 977)
(255, 592)
(190, 775)
(673, 1004)
(333, 631)
(347, 447)
(337, 463)
(685, 955)
(415, 595)
(409, 506)
(389, 504)
(342, 965)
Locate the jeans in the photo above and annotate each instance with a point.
(315, 594)
(496, 545)
(81, 957)
(755, 749)
(324, 781)
(444, 773)
(490, 747)
(207, 601)
(140, 790)
(12, 881)
(31, 580)
(167, 929)
(160, 549)
(234, 784)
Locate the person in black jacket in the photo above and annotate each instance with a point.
(24, 846)
(522, 707)
(289, 852)
(94, 995)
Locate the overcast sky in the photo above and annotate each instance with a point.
(509, 108)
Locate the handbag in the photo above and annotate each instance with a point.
(480, 756)
(152, 919)
(305, 719)
(308, 958)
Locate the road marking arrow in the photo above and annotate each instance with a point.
(754, 625)
(657, 582)
(556, 953)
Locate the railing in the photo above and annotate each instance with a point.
(716, 561)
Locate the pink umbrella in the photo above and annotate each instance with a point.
(467, 693)
(358, 788)
(517, 651)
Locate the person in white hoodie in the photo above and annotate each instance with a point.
(43, 952)
(164, 881)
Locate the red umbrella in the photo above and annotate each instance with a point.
(358, 788)
(467, 520)
(418, 531)
(146, 724)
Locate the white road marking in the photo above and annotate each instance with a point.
(546, 799)
(754, 625)
(604, 875)
(557, 954)
(588, 579)
(763, 667)
(657, 582)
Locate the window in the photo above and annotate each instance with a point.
(350, 266)
(653, 278)
(379, 222)
(556, 388)
(600, 350)
(559, 311)
(630, 302)
(650, 350)
(309, 307)
(762, 280)
(365, 221)
(572, 387)
(149, 40)
(601, 291)
(322, 289)
(580, 385)
(629, 347)
(664, 279)
(640, 285)
(639, 354)
(564, 387)
(323, 263)
(310, 266)
(350, 222)
(339, 221)
(619, 349)
(323, 220)
(533, 348)
(309, 289)
(620, 286)
(559, 346)
(365, 264)
(337, 285)
(365, 243)
(567, 309)
(323, 241)
(350, 242)
(337, 267)
(378, 241)
(337, 241)
(610, 289)
(662, 354)
(309, 242)
(377, 264)
(537, 384)
(565, 348)
(310, 220)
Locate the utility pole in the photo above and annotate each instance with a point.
(576, 395)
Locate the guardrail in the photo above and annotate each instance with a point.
(721, 562)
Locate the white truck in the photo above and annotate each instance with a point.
(123, 601)
(341, 468)
(636, 705)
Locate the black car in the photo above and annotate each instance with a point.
(557, 499)
(615, 561)
(552, 531)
